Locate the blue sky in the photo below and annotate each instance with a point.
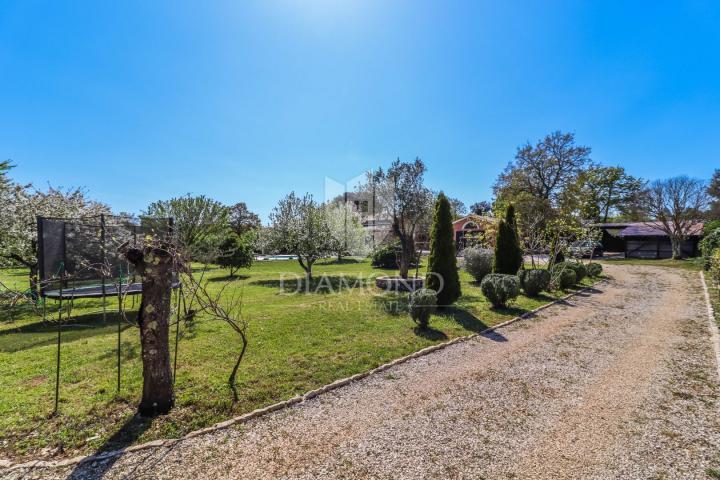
(246, 101)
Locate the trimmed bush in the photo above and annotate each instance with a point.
(580, 271)
(236, 251)
(563, 275)
(442, 263)
(385, 256)
(508, 254)
(478, 262)
(534, 281)
(422, 304)
(500, 289)
(594, 269)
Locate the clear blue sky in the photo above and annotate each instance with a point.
(245, 101)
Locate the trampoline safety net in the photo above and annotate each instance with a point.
(86, 249)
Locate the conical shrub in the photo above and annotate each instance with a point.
(442, 273)
(508, 254)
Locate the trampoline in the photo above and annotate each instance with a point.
(96, 291)
(81, 258)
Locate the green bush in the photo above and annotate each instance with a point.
(385, 256)
(478, 262)
(534, 281)
(580, 271)
(563, 275)
(508, 254)
(442, 263)
(708, 245)
(236, 251)
(500, 289)
(422, 304)
(594, 269)
(710, 227)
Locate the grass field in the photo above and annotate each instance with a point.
(297, 343)
(694, 264)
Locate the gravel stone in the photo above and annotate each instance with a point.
(619, 382)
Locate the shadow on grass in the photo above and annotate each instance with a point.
(430, 333)
(394, 304)
(128, 433)
(343, 261)
(319, 284)
(229, 278)
(41, 333)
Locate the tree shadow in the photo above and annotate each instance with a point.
(470, 322)
(343, 261)
(430, 333)
(394, 304)
(128, 433)
(39, 334)
(229, 278)
(320, 284)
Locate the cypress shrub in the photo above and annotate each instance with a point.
(442, 264)
(508, 254)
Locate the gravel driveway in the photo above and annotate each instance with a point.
(619, 383)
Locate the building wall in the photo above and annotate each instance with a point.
(656, 247)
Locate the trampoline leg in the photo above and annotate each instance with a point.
(119, 332)
(57, 359)
(177, 335)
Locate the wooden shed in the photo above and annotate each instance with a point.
(648, 240)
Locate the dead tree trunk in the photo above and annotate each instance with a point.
(155, 267)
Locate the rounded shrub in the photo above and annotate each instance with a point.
(563, 275)
(385, 256)
(500, 289)
(478, 262)
(594, 269)
(422, 304)
(580, 271)
(534, 281)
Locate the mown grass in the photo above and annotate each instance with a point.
(693, 264)
(298, 342)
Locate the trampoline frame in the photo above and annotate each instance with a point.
(119, 289)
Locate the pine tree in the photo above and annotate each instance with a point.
(508, 254)
(442, 264)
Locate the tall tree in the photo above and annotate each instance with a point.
(197, 220)
(677, 205)
(242, 220)
(457, 208)
(545, 169)
(442, 273)
(607, 191)
(508, 253)
(714, 192)
(482, 208)
(300, 227)
(401, 195)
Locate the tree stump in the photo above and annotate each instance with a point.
(155, 266)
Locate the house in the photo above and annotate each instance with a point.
(646, 239)
(468, 227)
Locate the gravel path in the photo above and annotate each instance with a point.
(620, 383)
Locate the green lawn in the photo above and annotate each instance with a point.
(297, 343)
(694, 264)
